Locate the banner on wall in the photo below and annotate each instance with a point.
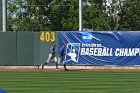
(120, 48)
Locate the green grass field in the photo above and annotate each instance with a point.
(69, 82)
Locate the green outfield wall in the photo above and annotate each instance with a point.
(25, 48)
(37, 48)
(8, 49)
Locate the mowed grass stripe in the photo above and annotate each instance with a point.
(70, 82)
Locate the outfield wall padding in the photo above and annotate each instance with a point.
(121, 48)
(36, 48)
(8, 48)
(25, 48)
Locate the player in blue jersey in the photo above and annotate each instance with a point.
(51, 56)
(61, 56)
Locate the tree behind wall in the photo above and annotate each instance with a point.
(130, 15)
(62, 15)
(43, 15)
(1, 15)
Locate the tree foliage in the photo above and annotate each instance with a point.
(130, 19)
(62, 15)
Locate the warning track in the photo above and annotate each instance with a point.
(73, 68)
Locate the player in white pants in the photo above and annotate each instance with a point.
(51, 57)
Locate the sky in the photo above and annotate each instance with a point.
(110, 1)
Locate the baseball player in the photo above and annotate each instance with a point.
(51, 57)
(61, 56)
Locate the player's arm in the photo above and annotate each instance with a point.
(54, 51)
(64, 51)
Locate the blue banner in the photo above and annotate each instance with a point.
(120, 48)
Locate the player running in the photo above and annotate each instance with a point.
(61, 56)
(51, 57)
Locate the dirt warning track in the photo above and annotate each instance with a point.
(72, 68)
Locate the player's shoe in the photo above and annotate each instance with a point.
(66, 69)
(57, 68)
(38, 66)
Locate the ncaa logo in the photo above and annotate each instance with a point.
(87, 37)
(72, 52)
